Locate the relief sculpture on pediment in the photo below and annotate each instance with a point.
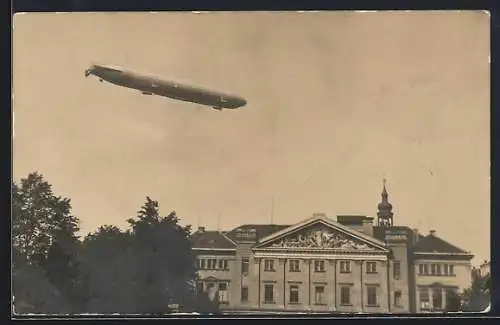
(320, 238)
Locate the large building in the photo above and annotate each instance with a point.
(346, 264)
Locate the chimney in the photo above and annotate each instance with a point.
(432, 232)
(201, 229)
(367, 226)
(415, 235)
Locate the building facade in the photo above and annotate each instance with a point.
(351, 264)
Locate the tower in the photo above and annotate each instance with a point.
(384, 214)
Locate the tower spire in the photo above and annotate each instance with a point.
(384, 214)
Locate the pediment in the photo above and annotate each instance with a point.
(322, 236)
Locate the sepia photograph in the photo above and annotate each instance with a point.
(243, 163)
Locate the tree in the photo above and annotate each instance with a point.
(144, 269)
(453, 300)
(478, 296)
(110, 264)
(167, 265)
(32, 291)
(203, 304)
(141, 270)
(65, 270)
(44, 235)
(39, 217)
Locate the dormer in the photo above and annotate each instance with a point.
(246, 235)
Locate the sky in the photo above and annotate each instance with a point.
(337, 101)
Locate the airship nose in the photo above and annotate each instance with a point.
(242, 102)
(93, 68)
(90, 70)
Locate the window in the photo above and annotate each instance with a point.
(424, 298)
(244, 294)
(433, 269)
(223, 264)
(268, 293)
(223, 292)
(294, 266)
(448, 269)
(244, 235)
(397, 298)
(269, 265)
(437, 298)
(345, 266)
(371, 292)
(319, 295)
(210, 286)
(294, 294)
(438, 269)
(423, 269)
(396, 270)
(371, 267)
(212, 263)
(424, 294)
(319, 266)
(345, 295)
(244, 265)
(199, 287)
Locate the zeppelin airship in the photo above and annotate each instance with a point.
(150, 85)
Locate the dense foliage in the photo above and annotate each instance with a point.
(144, 269)
(478, 296)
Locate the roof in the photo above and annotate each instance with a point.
(327, 221)
(211, 239)
(352, 219)
(261, 230)
(379, 232)
(226, 239)
(433, 244)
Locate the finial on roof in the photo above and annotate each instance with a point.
(384, 190)
(385, 208)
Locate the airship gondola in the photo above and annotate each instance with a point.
(149, 85)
